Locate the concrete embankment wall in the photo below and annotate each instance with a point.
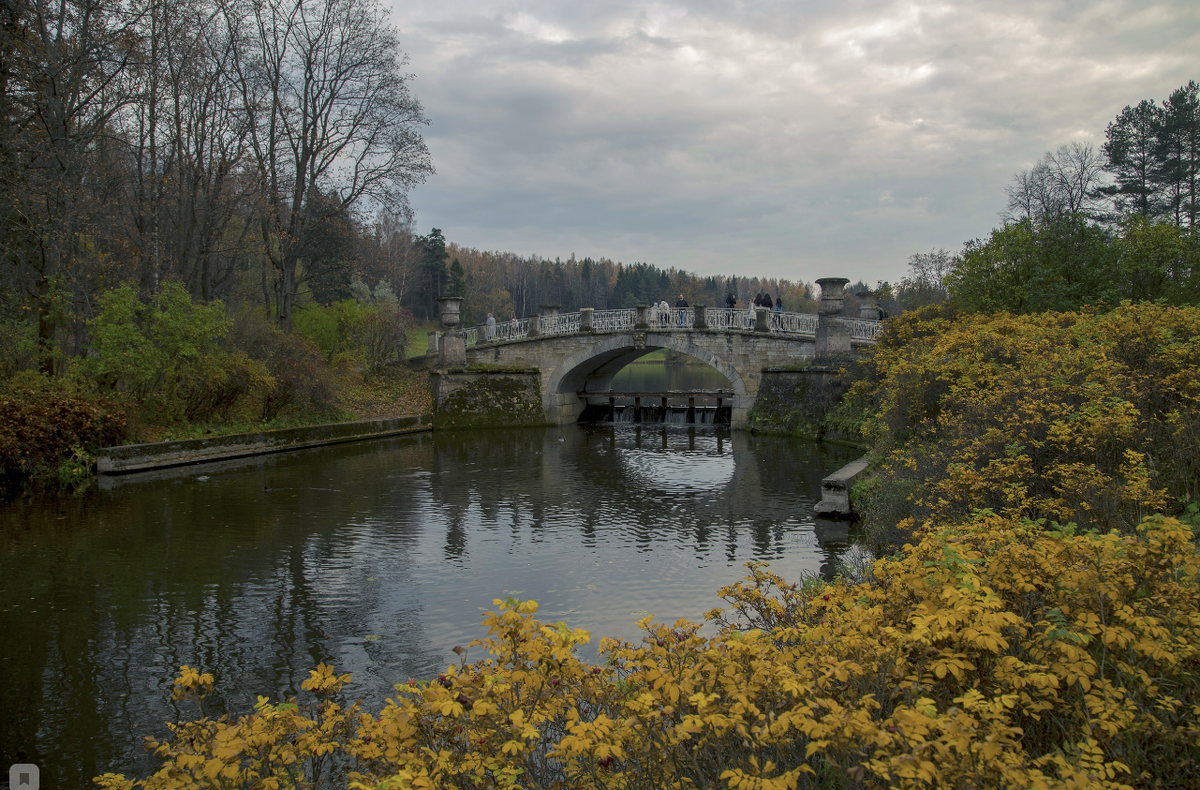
(161, 455)
(795, 400)
(487, 397)
(835, 489)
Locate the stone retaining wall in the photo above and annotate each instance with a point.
(160, 455)
(487, 397)
(835, 490)
(795, 400)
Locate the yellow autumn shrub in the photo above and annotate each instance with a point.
(992, 654)
(1091, 418)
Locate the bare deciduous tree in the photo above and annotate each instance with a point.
(925, 282)
(64, 70)
(1066, 181)
(331, 112)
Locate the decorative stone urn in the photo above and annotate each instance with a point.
(833, 294)
(451, 305)
(868, 308)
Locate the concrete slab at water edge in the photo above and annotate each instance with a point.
(160, 455)
(835, 489)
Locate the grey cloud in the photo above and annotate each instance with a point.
(794, 139)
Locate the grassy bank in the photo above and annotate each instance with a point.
(171, 368)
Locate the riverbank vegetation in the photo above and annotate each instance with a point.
(172, 368)
(1091, 418)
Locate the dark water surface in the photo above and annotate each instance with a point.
(378, 556)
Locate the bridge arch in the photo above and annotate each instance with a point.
(592, 369)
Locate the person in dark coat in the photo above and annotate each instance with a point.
(682, 307)
(730, 301)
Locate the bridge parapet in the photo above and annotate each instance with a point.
(658, 319)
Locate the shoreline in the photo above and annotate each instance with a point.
(132, 458)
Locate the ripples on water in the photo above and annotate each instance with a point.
(379, 557)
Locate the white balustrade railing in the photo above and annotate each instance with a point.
(625, 320)
(864, 329)
(503, 330)
(670, 318)
(613, 320)
(794, 323)
(724, 318)
(562, 324)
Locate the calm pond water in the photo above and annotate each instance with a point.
(378, 556)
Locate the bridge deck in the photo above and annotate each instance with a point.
(785, 324)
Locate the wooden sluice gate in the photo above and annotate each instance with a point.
(672, 406)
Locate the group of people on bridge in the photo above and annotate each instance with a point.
(763, 299)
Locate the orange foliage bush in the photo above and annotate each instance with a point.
(39, 428)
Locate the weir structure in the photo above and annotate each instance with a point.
(576, 355)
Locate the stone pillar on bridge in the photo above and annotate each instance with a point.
(642, 320)
(833, 335)
(868, 308)
(452, 349)
(535, 325)
(435, 341)
(585, 319)
(762, 317)
(701, 317)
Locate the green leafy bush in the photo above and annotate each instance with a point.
(169, 354)
(18, 346)
(297, 377)
(332, 328)
(383, 336)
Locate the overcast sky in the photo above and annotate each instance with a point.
(792, 139)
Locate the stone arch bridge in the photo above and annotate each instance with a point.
(578, 354)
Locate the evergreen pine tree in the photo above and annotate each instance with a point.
(457, 284)
(1131, 148)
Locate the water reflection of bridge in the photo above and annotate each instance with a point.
(708, 487)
